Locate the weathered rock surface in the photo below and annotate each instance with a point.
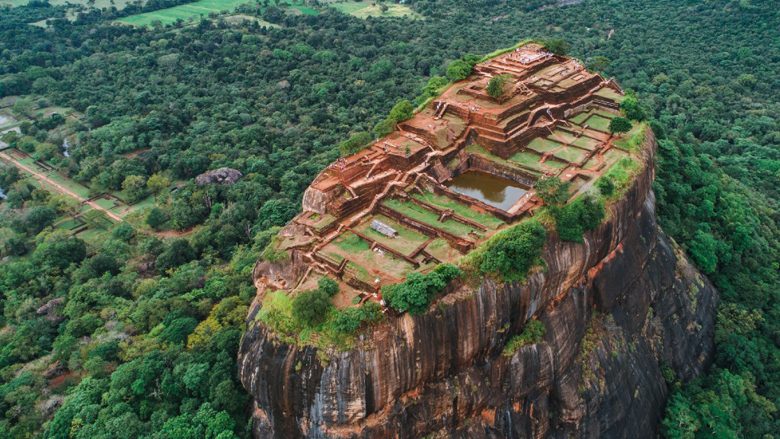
(219, 176)
(618, 309)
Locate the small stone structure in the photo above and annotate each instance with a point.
(384, 229)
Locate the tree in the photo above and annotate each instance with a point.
(311, 307)
(418, 290)
(23, 107)
(402, 110)
(157, 183)
(552, 191)
(156, 218)
(134, 187)
(619, 125)
(557, 46)
(179, 252)
(632, 109)
(459, 70)
(497, 85)
(512, 253)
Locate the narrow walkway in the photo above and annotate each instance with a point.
(62, 189)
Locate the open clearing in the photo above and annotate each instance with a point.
(184, 12)
(196, 10)
(365, 9)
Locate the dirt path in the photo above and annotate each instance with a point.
(63, 190)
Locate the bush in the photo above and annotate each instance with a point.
(355, 143)
(557, 46)
(384, 127)
(632, 109)
(328, 286)
(418, 290)
(349, 320)
(606, 186)
(532, 334)
(311, 307)
(511, 253)
(575, 218)
(497, 85)
(459, 70)
(619, 125)
(401, 111)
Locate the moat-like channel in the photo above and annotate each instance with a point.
(490, 189)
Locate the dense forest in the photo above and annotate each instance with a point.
(144, 323)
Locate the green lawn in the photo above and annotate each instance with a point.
(599, 123)
(461, 209)
(542, 145)
(191, 10)
(570, 154)
(365, 9)
(428, 217)
(406, 241)
(69, 184)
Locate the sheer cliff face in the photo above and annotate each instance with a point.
(618, 310)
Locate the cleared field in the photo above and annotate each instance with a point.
(184, 12)
(365, 9)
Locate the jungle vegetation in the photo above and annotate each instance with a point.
(146, 326)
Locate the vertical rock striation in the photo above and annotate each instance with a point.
(620, 310)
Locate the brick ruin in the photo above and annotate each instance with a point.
(395, 207)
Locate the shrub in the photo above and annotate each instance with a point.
(401, 111)
(384, 127)
(557, 46)
(632, 109)
(418, 290)
(606, 186)
(459, 70)
(347, 321)
(552, 191)
(619, 125)
(575, 218)
(532, 334)
(511, 253)
(311, 307)
(355, 143)
(328, 286)
(497, 85)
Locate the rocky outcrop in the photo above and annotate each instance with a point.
(620, 311)
(219, 176)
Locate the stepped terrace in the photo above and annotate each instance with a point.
(458, 171)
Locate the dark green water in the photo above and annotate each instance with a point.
(495, 191)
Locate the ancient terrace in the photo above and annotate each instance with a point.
(452, 175)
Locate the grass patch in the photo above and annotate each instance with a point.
(632, 140)
(428, 217)
(184, 12)
(542, 145)
(619, 176)
(599, 123)
(532, 334)
(569, 154)
(461, 209)
(351, 243)
(365, 9)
